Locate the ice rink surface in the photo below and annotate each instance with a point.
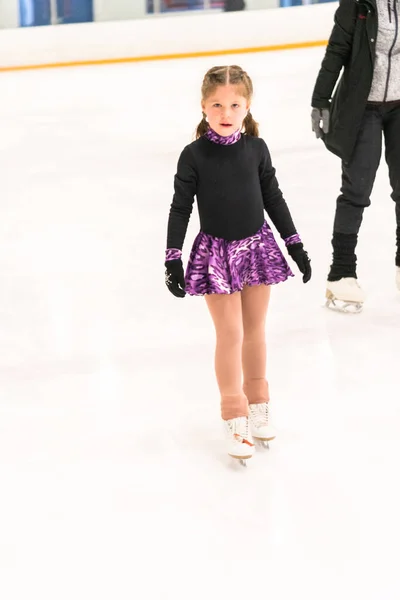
(114, 479)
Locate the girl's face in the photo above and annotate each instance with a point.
(226, 109)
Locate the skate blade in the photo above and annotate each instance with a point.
(343, 306)
(263, 443)
(242, 460)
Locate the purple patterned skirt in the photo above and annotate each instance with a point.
(216, 266)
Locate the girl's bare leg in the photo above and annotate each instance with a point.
(226, 312)
(255, 300)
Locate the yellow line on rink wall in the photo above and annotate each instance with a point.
(135, 59)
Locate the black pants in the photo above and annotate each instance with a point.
(358, 177)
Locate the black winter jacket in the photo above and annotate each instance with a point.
(352, 46)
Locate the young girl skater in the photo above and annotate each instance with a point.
(234, 259)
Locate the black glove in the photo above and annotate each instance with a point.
(318, 115)
(175, 278)
(300, 257)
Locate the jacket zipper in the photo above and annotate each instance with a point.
(396, 33)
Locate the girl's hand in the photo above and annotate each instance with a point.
(175, 278)
(300, 257)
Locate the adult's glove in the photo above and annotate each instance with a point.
(175, 278)
(320, 116)
(300, 257)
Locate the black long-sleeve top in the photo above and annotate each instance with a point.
(233, 185)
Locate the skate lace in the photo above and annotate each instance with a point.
(260, 414)
(239, 429)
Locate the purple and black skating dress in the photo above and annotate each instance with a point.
(219, 266)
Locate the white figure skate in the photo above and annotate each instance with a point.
(261, 428)
(238, 439)
(345, 295)
(398, 278)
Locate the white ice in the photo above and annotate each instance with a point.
(114, 479)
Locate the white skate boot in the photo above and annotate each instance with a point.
(398, 278)
(239, 441)
(261, 428)
(345, 295)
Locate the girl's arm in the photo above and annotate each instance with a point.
(185, 184)
(274, 203)
(279, 214)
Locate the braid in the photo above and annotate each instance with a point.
(250, 126)
(202, 127)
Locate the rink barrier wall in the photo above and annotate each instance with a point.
(111, 61)
(165, 38)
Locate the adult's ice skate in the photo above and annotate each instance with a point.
(239, 440)
(345, 295)
(260, 424)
